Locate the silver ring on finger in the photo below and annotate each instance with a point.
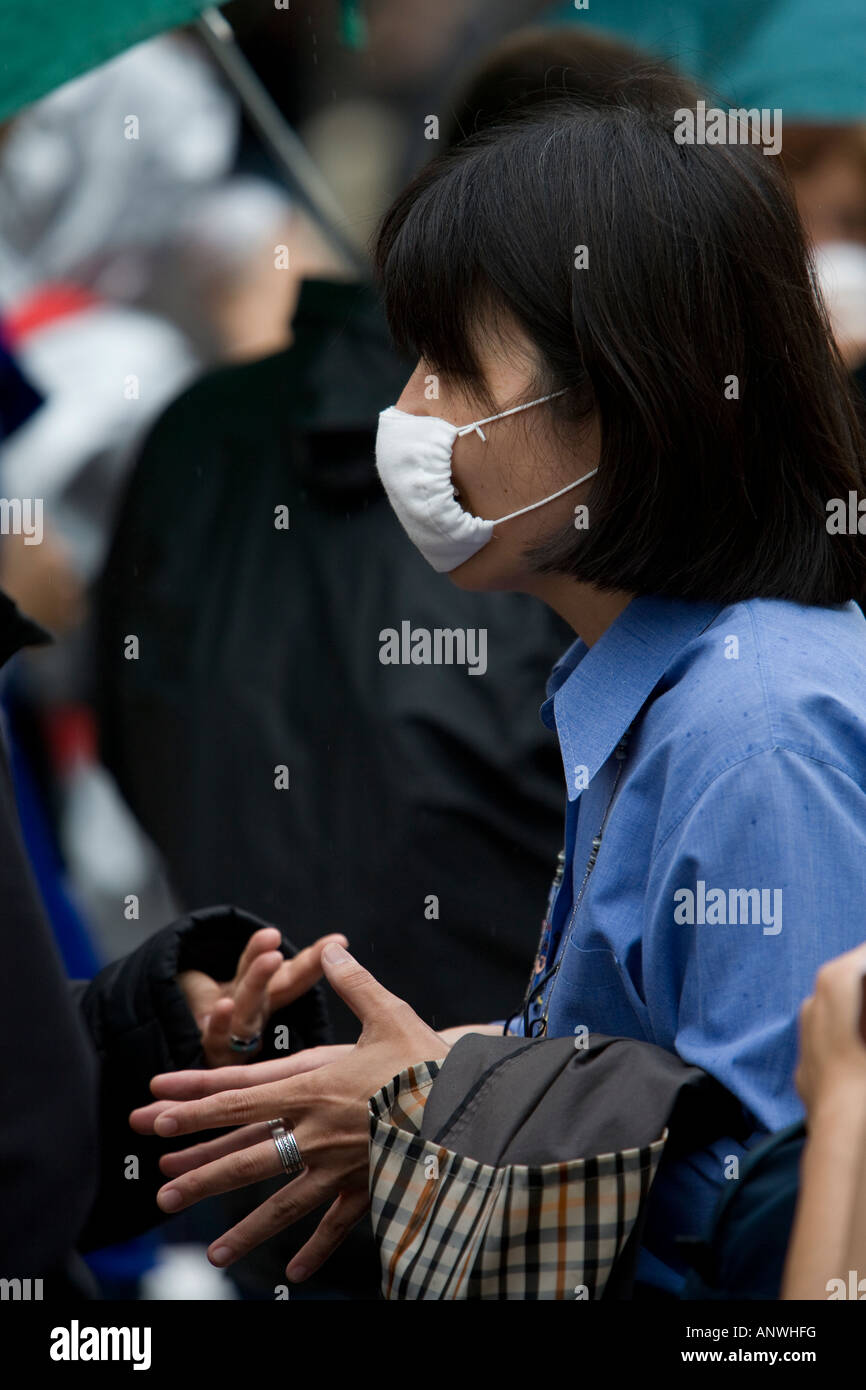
(287, 1148)
(245, 1044)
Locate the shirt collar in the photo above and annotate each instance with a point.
(596, 692)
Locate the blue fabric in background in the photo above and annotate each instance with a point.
(74, 941)
(18, 399)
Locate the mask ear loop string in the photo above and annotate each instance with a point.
(552, 498)
(476, 425)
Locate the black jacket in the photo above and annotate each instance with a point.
(260, 647)
(78, 1057)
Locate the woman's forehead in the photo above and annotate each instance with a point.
(508, 361)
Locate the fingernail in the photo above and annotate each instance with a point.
(164, 1124)
(333, 954)
(170, 1199)
(297, 1272)
(220, 1256)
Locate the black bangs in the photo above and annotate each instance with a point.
(426, 257)
(457, 258)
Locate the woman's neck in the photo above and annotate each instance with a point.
(586, 609)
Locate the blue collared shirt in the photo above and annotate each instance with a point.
(732, 860)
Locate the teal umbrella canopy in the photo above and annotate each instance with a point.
(44, 43)
(808, 60)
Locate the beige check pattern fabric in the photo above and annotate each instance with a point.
(448, 1227)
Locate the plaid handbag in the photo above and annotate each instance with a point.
(453, 1221)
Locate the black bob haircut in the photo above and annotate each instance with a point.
(697, 273)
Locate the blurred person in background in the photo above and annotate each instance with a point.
(213, 987)
(72, 1179)
(94, 176)
(83, 202)
(215, 271)
(827, 1254)
(793, 1225)
(357, 81)
(776, 56)
(113, 190)
(116, 192)
(827, 165)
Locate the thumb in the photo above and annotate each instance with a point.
(356, 986)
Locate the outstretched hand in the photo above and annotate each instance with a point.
(263, 983)
(321, 1098)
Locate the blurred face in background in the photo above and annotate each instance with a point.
(827, 165)
(828, 169)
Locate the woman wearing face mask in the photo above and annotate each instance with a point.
(627, 403)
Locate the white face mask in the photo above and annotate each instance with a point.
(413, 459)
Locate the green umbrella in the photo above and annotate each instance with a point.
(43, 44)
(807, 59)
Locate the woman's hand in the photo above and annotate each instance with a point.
(832, 1051)
(192, 1085)
(264, 982)
(460, 1030)
(326, 1108)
